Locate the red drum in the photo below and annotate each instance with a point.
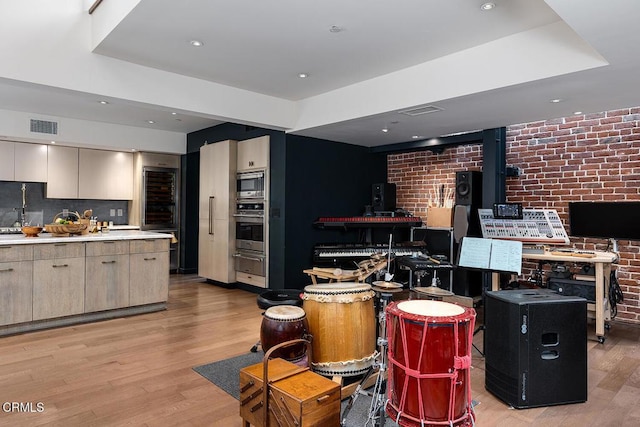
(282, 323)
(429, 383)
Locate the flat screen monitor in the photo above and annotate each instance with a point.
(605, 220)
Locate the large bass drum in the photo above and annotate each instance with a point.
(342, 322)
(429, 382)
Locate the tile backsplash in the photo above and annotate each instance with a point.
(39, 209)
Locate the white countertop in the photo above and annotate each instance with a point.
(20, 239)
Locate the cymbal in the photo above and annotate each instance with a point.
(433, 290)
(387, 290)
(388, 285)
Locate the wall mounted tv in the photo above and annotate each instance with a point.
(605, 220)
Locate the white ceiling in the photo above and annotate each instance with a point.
(482, 69)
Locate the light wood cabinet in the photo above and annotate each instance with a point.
(16, 284)
(216, 223)
(7, 153)
(58, 287)
(58, 280)
(62, 173)
(30, 162)
(16, 288)
(149, 282)
(106, 175)
(107, 275)
(253, 153)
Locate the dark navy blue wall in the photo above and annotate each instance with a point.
(324, 178)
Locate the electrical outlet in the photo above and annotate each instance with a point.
(120, 212)
(112, 212)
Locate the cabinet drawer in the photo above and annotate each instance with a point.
(58, 250)
(149, 245)
(16, 253)
(108, 247)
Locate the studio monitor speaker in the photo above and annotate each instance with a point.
(383, 197)
(469, 188)
(535, 347)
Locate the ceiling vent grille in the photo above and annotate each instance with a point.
(418, 111)
(44, 126)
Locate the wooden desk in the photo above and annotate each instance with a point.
(601, 261)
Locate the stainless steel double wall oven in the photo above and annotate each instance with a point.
(250, 256)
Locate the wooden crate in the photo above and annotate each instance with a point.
(297, 396)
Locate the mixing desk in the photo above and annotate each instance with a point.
(536, 226)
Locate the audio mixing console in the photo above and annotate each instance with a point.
(536, 226)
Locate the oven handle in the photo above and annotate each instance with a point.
(248, 257)
(211, 211)
(248, 216)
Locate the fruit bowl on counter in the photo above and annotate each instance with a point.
(31, 230)
(62, 227)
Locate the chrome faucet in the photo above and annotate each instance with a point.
(20, 221)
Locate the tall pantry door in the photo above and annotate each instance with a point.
(216, 223)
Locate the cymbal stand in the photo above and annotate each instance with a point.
(378, 396)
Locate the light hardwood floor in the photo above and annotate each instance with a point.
(137, 371)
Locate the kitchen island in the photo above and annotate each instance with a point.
(50, 281)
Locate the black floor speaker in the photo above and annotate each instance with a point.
(535, 347)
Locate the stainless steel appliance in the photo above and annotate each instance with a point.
(250, 226)
(250, 255)
(251, 262)
(160, 206)
(250, 185)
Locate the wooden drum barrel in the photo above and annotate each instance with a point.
(282, 323)
(342, 323)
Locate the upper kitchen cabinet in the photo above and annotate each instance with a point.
(30, 162)
(62, 173)
(105, 175)
(253, 153)
(7, 150)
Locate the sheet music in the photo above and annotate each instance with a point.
(506, 255)
(489, 254)
(475, 253)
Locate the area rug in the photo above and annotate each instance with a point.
(225, 374)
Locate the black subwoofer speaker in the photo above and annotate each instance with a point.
(383, 197)
(469, 188)
(535, 347)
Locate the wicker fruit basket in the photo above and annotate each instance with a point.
(60, 230)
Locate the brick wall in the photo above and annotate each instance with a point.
(593, 157)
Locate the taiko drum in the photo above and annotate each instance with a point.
(282, 323)
(429, 354)
(342, 323)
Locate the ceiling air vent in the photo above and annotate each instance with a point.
(418, 111)
(44, 126)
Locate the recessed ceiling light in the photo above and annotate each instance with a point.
(133, 149)
(196, 43)
(555, 101)
(150, 122)
(577, 112)
(335, 29)
(53, 142)
(385, 130)
(173, 113)
(487, 6)
(303, 75)
(417, 137)
(103, 102)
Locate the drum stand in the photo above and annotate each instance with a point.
(378, 395)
